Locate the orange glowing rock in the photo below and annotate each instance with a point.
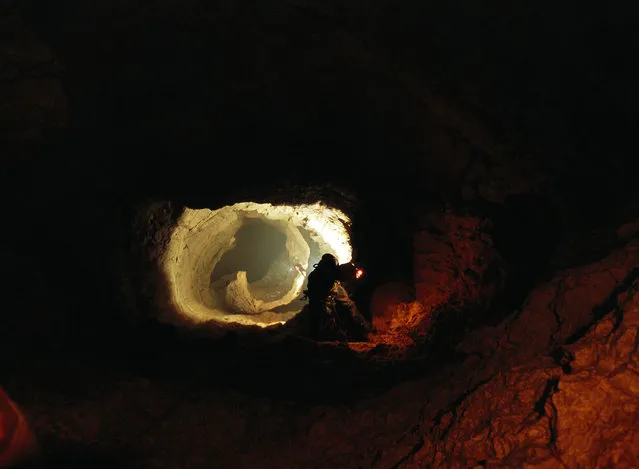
(17, 441)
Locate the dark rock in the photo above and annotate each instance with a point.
(385, 106)
(33, 105)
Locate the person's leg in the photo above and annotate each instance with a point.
(356, 325)
(317, 312)
(324, 324)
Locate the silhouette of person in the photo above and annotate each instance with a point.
(333, 314)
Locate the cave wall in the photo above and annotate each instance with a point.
(106, 106)
(572, 399)
(400, 106)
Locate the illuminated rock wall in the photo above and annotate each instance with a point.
(458, 276)
(561, 386)
(202, 237)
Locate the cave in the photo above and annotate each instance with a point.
(172, 171)
(259, 245)
(244, 263)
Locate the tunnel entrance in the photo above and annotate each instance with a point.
(246, 263)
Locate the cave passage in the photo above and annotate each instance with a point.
(257, 246)
(246, 263)
(260, 251)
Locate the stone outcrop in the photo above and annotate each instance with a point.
(455, 261)
(458, 275)
(566, 396)
(537, 392)
(557, 312)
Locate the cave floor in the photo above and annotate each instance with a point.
(95, 415)
(172, 410)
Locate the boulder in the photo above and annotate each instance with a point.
(457, 275)
(455, 260)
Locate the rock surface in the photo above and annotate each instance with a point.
(568, 398)
(18, 444)
(449, 108)
(386, 300)
(455, 260)
(579, 410)
(33, 106)
(458, 275)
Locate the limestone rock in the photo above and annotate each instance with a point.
(559, 311)
(540, 414)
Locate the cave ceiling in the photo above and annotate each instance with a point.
(472, 100)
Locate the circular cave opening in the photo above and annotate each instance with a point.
(244, 264)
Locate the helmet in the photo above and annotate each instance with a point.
(329, 259)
